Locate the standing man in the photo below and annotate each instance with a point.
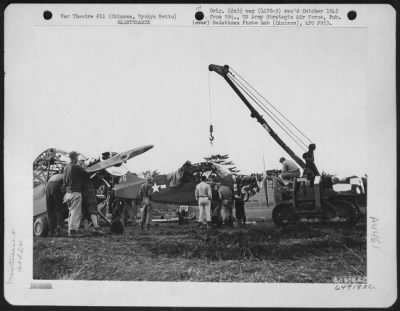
(239, 205)
(73, 180)
(215, 205)
(227, 202)
(89, 203)
(310, 170)
(89, 200)
(54, 204)
(289, 169)
(203, 195)
(146, 193)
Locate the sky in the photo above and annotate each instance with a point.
(95, 89)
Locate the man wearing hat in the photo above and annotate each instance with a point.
(73, 180)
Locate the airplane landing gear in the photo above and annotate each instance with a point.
(41, 226)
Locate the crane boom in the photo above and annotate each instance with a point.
(223, 71)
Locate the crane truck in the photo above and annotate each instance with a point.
(309, 198)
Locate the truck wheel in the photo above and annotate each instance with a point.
(341, 211)
(41, 226)
(282, 215)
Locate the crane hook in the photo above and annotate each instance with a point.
(211, 138)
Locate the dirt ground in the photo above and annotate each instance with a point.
(170, 252)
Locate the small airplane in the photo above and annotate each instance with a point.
(177, 187)
(52, 161)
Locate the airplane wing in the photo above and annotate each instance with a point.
(118, 159)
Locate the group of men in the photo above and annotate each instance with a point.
(73, 193)
(75, 189)
(217, 204)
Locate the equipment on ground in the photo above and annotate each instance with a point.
(308, 199)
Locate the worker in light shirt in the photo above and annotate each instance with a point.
(289, 170)
(203, 195)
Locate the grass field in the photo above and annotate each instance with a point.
(170, 252)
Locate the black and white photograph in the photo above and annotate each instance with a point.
(181, 152)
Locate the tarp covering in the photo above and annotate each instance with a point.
(174, 179)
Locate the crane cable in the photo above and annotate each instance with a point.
(279, 122)
(268, 102)
(211, 137)
(238, 77)
(284, 127)
(260, 95)
(269, 112)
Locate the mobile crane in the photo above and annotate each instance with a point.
(310, 198)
